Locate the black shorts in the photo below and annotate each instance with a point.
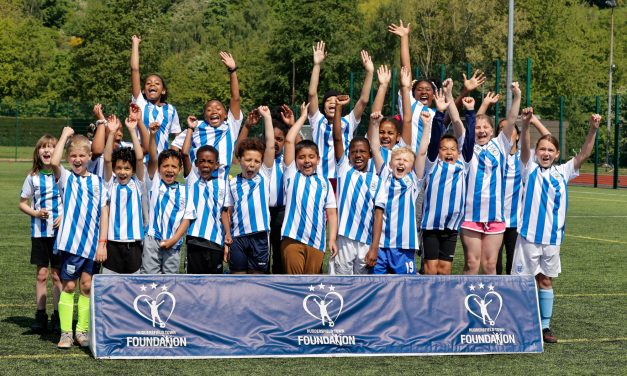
(42, 254)
(124, 257)
(250, 252)
(439, 244)
(203, 256)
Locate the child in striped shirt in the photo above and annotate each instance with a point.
(357, 187)
(46, 212)
(219, 127)
(124, 178)
(83, 232)
(152, 100)
(169, 214)
(247, 220)
(321, 117)
(543, 212)
(394, 237)
(309, 199)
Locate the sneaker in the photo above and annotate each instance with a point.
(548, 337)
(81, 339)
(66, 340)
(41, 322)
(55, 323)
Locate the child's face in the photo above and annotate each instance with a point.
(279, 140)
(123, 171)
(546, 153)
(449, 152)
(359, 155)
(206, 162)
(401, 164)
(388, 136)
(215, 113)
(250, 163)
(424, 93)
(79, 158)
(169, 169)
(329, 107)
(307, 161)
(483, 132)
(153, 88)
(45, 153)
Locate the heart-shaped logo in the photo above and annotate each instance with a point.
(485, 309)
(152, 309)
(326, 309)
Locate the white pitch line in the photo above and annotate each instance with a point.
(596, 239)
(596, 199)
(597, 216)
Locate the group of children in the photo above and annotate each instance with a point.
(120, 208)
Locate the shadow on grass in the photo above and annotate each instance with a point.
(25, 322)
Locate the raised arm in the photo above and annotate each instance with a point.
(113, 125)
(135, 75)
(362, 102)
(513, 111)
(135, 114)
(588, 144)
(98, 142)
(470, 85)
(231, 66)
(384, 75)
(152, 150)
(525, 139)
(403, 32)
(489, 100)
(453, 112)
(251, 120)
(338, 137)
(57, 154)
(437, 128)
(131, 125)
(375, 144)
(419, 163)
(319, 54)
(539, 126)
(192, 123)
(469, 135)
(406, 134)
(290, 139)
(268, 155)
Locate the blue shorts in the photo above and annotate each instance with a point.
(395, 261)
(74, 265)
(250, 252)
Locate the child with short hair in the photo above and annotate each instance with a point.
(82, 237)
(219, 127)
(357, 187)
(543, 212)
(46, 212)
(309, 199)
(169, 214)
(124, 178)
(247, 220)
(321, 117)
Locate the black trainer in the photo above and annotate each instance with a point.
(548, 337)
(55, 323)
(41, 322)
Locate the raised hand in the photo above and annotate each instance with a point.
(319, 53)
(595, 120)
(136, 39)
(440, 100)
(227, 60)
(67, 132)
(384, 75)
(376, 117)
(98, 111)
(154, 127)
(400, 29)
(491, 98)
(304, 107)
(515, 89)
(477, 79)
(287, 115)
(134, 112)
(343, 100)
(425, 116)
(252, 119)
(113, 123)
(367, 61)
(447, 85)
(264, 111)
(130, 123)
(192, 122)
(469, 103)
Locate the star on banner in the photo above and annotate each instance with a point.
(312, 288)
(490, 287)
(481, 286)
(164, 288)
(321, 286)
(142, 288)
(331, 288)
(153, 285)
(472, 287)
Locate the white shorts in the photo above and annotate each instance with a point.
(533, 259)
(350, 257)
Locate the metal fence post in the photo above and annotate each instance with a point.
(17, 126)
(616, 138)
(497, 83)
(561, 127)
(442, 72)
(351, 89)
(528, 91)
(596, 146)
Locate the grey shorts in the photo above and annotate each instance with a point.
(156, 260)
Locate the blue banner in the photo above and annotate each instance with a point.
(193, 316)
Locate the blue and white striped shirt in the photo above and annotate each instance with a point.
(43, 192)
(545, 202)
(416, 122)
(356, 193)
(167, 208)
(277, 185)
(445, 194)
(322, 134)
(513, 188)
(166, 115)
(125, 207)
(83, 200)
(249, 200)
(206, 201)
(397, 198)
(307, 197)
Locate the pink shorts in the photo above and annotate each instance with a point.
(490, 228)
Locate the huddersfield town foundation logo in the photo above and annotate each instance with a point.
(484, 305)
(324, 304)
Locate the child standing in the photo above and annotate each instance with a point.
(309, 199)
(46, 212)
(247, 220)
(124, 178)
(543, 214)
(169, 214)
(82, 237)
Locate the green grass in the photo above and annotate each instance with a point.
(589, 315)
